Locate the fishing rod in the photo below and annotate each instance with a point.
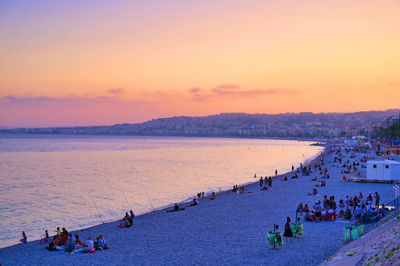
(97, 209)
(126, 199)
(147, 194)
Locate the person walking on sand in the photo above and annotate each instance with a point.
(288, 232)
(276, 171)
(292, 167)
(24, 239)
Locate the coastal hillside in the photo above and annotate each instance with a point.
(305, 124)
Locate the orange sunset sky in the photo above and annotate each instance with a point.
(66, 63)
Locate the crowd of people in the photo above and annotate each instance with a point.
(360, 208)
(67, 242)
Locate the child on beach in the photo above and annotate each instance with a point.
(45, 237)
(24, 239)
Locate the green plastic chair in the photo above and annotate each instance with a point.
(361, 229)
(347, 234)
(354, 232)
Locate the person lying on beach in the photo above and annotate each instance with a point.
(314, 192)
(213, 196)
(176, 208)
(24, 239)
(295, 176)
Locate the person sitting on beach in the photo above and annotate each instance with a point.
(132, 214)
(265, 187)
(284, 179)
(295, 176)
(318, 209)
(101, 244)
(242, 190)
(330, 215)
(70, 245)
(78, 243)
(314, 192)
(323, 214)
(89, 245)
(45, 237)
(194, 202)
(341, 206)
(58, 231)
(347, 214)
(63, 237)
(213, 196)
(235, 188)
(176, 208)
(24, 238)
(53, 244)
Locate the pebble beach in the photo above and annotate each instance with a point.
(229, 230)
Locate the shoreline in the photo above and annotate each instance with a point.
(185, 203)
(229, 230)
(318, 140)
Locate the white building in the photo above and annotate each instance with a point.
(386, 170)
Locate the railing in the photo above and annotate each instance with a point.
(395, 210)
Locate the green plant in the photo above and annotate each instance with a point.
(329, 259)
(350, 254)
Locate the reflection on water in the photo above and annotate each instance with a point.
(50, 181)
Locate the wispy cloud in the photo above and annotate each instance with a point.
(116, 91)
(233, 90)
(73, 100)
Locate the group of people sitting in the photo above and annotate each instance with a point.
(239, 190)
(65, 241)
(195, 201)
(127, 221)
(362, 209)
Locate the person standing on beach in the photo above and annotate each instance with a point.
(292, 167)
(288, 231)
(276, 171)
(261, 181)
(269, 182)
(377, 199)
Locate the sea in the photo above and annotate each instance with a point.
(50, 181)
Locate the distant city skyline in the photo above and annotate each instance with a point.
(77, 63)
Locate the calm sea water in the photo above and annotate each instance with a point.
(50, 181)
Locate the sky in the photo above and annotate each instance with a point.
(81, 62)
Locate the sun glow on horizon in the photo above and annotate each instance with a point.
(93, 62)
